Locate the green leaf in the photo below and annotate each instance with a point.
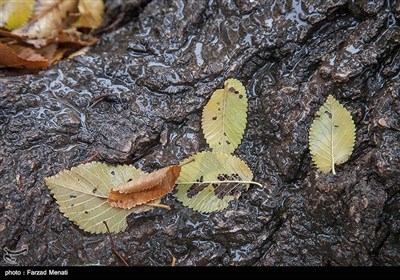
(82, 194)
(14, 14)
(332, 135)
(224, 117)
(224, 177)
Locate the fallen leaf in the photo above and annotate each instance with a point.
(224, 117)
(92, 12)
(382, 122)
(16, 56)
(75, 37)
(144, 189)
(79, 52)
(332, 135)
(50, 16)
(212, 180)
(82, 194)
(14, 14)
(70, 37)
(50, 23)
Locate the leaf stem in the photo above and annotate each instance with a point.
(158, 205)
(113, 248)
(221, 182)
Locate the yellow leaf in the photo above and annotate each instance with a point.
(50, 16)
(224, 117)
(332, 136)
(209, 181)
(92, 12)
(82, 194)
(15, 13)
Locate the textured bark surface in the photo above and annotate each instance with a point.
(155, 72)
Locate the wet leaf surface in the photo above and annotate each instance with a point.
(332, 135)
(161, 66)
(82, 194)
(213, 169)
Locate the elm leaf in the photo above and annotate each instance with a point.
(224, 117)
(210, 180)
(332, 136)
(82, 194)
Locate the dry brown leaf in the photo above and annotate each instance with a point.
(48, 51)
(49, 25)
(79, 52)
(71, 37)
(16, 56)
(9, 34)
(144, 189)
(75, 37)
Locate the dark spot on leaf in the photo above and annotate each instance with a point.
(94, 190)
(72, 205)
(336, 125)
(231, 189)
(224, 133)
(232, 89)
(219, 143)
(86, 212)
(227, 142)
(130, 180)
(214, 118)
(72, 196)
(218, 103)
(241, 96)
(328, 114)
(112, 172)
(196, 188)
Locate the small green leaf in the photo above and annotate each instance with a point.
(332, 135)
(82, 194)
(209, 181)
(224, 117)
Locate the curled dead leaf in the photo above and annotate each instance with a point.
(16, 56)
(75, 37)
(144, 189)
(37, 24)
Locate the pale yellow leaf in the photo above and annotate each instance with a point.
(224, 117)
(82, 194)
(332, 135)
(213, 169)
(91, 13)
(49, 18)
